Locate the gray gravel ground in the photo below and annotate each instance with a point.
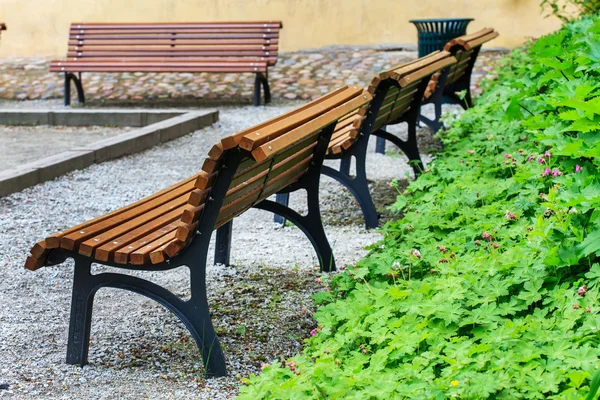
(261, 306)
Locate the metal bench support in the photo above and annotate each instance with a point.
(310, 224)
(69, 76)
(261, 80)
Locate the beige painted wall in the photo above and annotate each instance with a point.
(39, 27)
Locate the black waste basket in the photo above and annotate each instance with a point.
(435, 33)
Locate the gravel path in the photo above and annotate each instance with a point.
(261, 307)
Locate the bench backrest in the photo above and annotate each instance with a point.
(274, 155)
(199, 39)
(465, 49)
(400, 89)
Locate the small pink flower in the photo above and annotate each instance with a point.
(547, 154)
(556, 172)
(318, 280)
(416, 253)
(578, 168)
(531, 157)
(486, 236)
(510, 215)
(476, 86)
(491, 68)
(506, 155)
(313, 332)
(582, 291)
(541, 160)
(576, 307)
(588, 310)
(546, 172)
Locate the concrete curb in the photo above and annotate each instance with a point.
(75, 117)
(30, 174)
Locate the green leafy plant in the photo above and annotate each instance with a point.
(489, 285)
(567, 10)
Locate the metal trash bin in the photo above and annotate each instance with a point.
(433, 34)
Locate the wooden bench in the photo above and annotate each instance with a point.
(397, 95)
(445, 87)
(173, 227)
(224, 47)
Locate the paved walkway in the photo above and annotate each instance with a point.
(300, 75)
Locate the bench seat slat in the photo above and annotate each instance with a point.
(104, 248)
(121, 256)
(53, 241)
(164, 203)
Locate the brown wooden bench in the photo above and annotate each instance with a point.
(397, 95)
(173, 227)
(224, 47)
(445, 87)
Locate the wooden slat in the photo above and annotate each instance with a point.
(105, 248)
(420, 63)
(233, 140)
(104, 235)
(32, 263)
(156, 207)
(426, 71)
(142, 255)
(74, 32)
(175, 25)
(122, 255)
(257, 139)
(243, 204)
(284, 141)
(152, 68)
(478, 42)
(54, 241)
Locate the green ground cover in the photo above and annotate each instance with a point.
(488, 286)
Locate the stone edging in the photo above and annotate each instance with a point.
(170, 125)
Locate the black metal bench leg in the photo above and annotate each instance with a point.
(261, 80)
(78, 86)
(198, 316)
(81, 313)
(266, 89)
(435, 124)
(67, 89)
(257, 84)
(310, 224)
(223, 244)
(284, 199)
(379, 145)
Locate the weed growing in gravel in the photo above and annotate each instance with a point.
(489, 285)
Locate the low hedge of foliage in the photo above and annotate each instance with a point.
(488, 287)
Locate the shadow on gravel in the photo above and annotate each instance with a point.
(342, 209)
(261, 314)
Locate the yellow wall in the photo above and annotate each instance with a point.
(40, 27)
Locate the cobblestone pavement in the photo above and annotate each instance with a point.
(300, 75)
